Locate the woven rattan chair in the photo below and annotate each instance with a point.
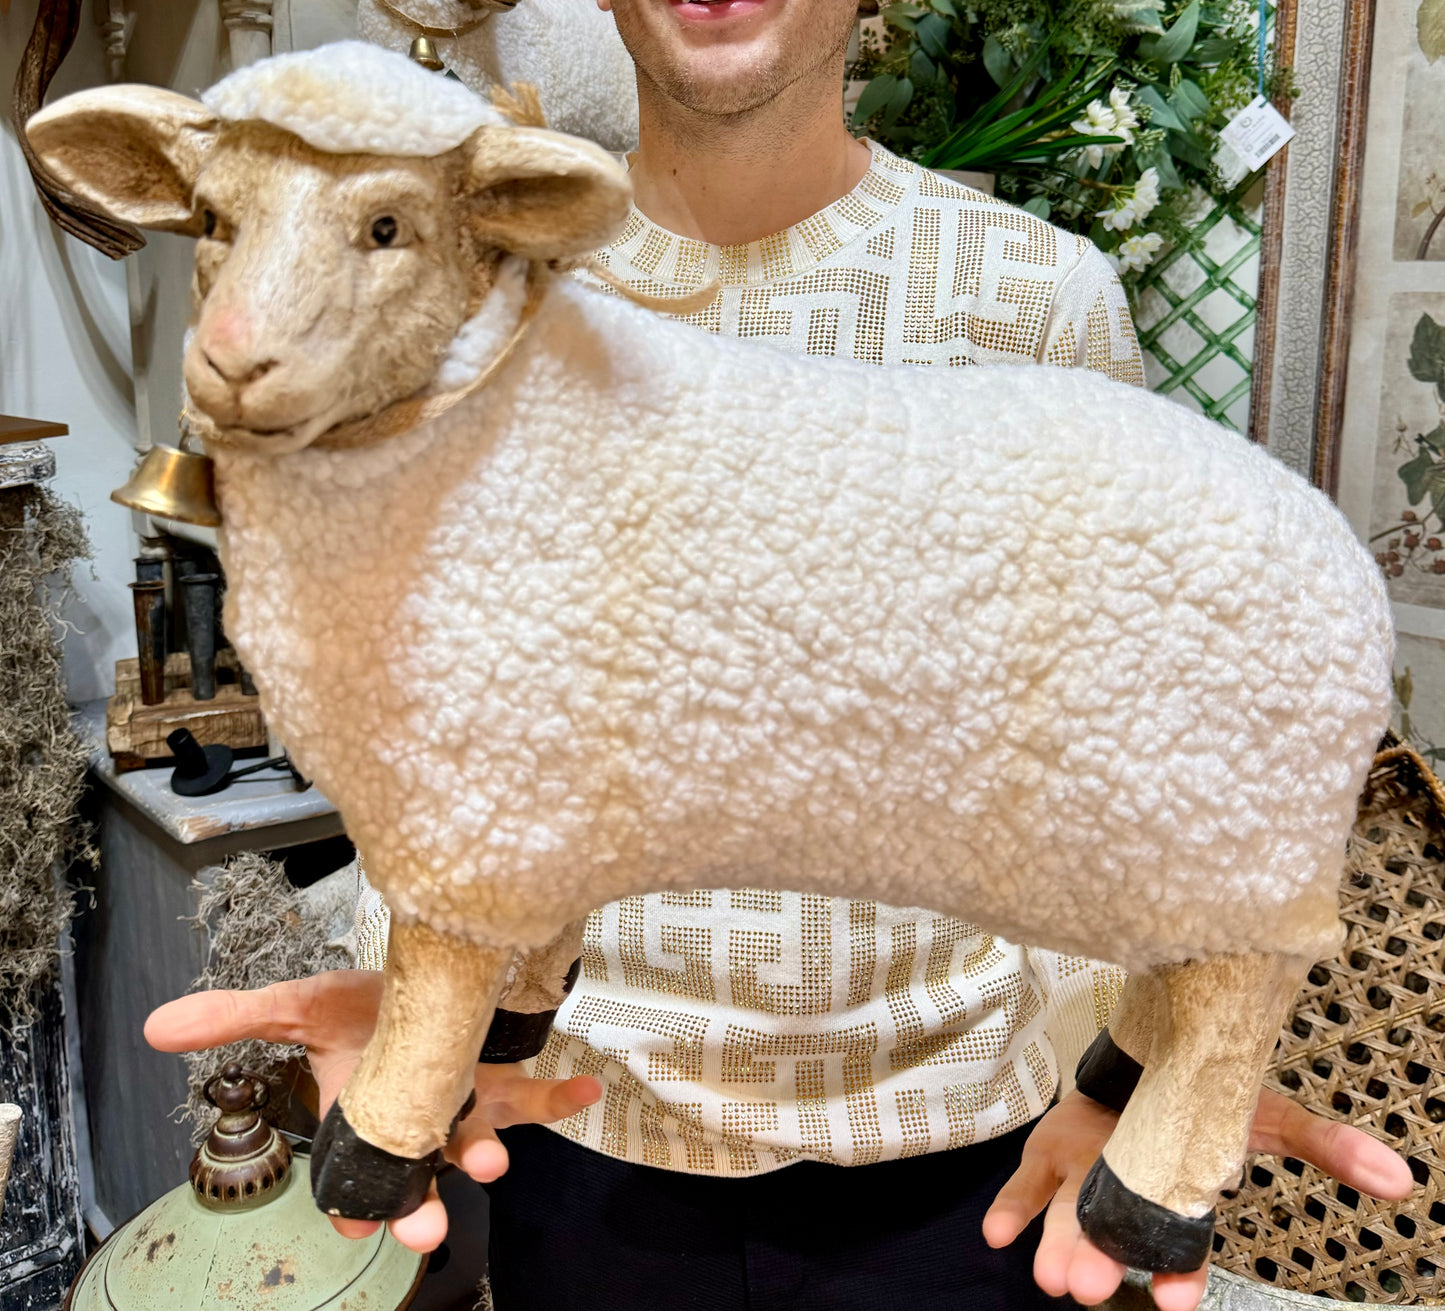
(1364, 1045)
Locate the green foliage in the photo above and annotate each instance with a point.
(1416, 543)
(1424, 475)
(1101, 115)
(1430, 28)
(1427, 354)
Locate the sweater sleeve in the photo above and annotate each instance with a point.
(373, 923)
(1079, 996)
(1090, 326)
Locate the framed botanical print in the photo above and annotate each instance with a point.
(1349, 361)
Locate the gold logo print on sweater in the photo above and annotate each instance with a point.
(770, 1072)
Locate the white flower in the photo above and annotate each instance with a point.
(1116, 119)
(1134, 207)
(1125, 119)
(1138, 252)
(1146, 192)
(1120, 218)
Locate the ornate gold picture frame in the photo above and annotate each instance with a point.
(1311, 223)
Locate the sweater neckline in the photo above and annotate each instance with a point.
(665, 258)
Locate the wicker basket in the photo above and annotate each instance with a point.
(1363, 1045)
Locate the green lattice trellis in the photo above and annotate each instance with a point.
(1195, 312)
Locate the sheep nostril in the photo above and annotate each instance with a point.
(239, 373)
(260, 370)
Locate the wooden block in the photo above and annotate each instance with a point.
(127, 675)
(135, 732)
(178, 672)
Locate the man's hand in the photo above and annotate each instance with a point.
(1066, 1142)
(332, 1016)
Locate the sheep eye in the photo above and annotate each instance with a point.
(384, 230)
(208, 222)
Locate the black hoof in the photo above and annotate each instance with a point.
(1137, 1232)
(516, 1036)
(351, 1178)
(1107, 1073)
(519, 1036)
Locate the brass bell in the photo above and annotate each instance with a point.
(173, 484)
(424, 53)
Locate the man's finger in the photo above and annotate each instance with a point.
(425, 1228)
(422, 1231)
(296, 1011)
(354, 1228)
(1026, 1194)
(1054, 1259)
(541, 1101)
(1092, 1275)
(213, 1019)
(1284, 1128)
(1070, 1262)
(1180, 1292)
(479, 1153)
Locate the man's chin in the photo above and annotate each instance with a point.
(720, 59)
(723, 77)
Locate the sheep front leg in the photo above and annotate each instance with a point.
(381, 1141)
(1149, 1199)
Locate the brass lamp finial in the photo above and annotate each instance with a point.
(243, 1158)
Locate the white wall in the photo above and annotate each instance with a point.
(65, 355)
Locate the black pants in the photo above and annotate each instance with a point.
(573, 1230)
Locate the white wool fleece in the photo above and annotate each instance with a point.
(660, 610)
(352, 97)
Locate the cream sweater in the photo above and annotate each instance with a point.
(735, 1031)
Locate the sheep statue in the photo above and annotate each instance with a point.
(561, 601)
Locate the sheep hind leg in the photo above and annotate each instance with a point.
(1149, 1199)
(1109, 1070)
(381, 1142)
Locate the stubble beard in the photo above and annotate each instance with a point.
(748, 87)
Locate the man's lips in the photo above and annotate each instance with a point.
(713, 11)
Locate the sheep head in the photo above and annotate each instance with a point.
(350, 211)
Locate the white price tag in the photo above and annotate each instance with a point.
(1257, 133)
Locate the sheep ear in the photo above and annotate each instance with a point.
(544, 195)
(135, 151)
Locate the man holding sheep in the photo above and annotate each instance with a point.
(911, 1047)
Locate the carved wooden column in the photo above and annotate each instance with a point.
(116, 27)
(248, 29)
